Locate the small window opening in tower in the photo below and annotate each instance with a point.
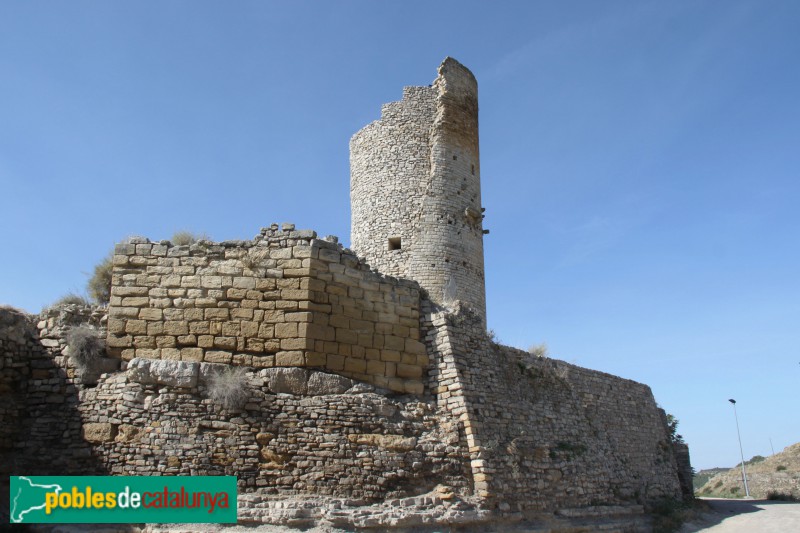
(473, 170)
(455, 157)
(394, 243)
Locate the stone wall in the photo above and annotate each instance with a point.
(42, 432)
(415, 189)
(546, 435)
(355, 387)
(300, 431)
(389, 169)
(297, 431)
(283, 299)
(685, 470)
(501, 433)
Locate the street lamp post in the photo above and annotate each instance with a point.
(744, 472)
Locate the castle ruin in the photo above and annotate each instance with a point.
(415, 189)
(374, 397)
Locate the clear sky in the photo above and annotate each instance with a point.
(639, 163)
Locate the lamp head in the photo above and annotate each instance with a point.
(732, 401)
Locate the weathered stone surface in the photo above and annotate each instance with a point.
(264, 438)
(97, 432)
(103, 365)
(172, 373)
(287, 380)
(127, 433)
(361, 388)
(320, 383)
(207, 371)
(390, 442)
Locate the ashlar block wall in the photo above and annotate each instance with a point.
(284, 299)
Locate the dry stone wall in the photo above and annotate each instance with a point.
(297, 431)
(415, 189)
(389, 172)
(512, 435)
(545, 435)
(42, 431)
(284, 299)
(300, 431)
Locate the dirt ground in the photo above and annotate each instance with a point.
(747, 516)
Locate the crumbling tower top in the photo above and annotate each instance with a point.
(415, 189)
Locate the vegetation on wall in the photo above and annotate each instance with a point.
(99, 285)
(184, 237)
(71, 298)
(672, 428)
(85, 346)
(229, 388)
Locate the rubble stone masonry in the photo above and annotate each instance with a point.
(415, 189)
(499, 431)
(371, 395)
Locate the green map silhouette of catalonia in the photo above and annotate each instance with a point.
(27, 497)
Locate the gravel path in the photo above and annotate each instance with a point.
(747, 516)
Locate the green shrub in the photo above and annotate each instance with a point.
(672, 430)
(99, 285)
(85, 346)
(780, 468)
(567, 451)
(229, 388)
(669, 514)
(781, 496)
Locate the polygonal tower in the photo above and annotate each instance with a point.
(415, 189)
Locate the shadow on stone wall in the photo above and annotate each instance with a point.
(41, 431)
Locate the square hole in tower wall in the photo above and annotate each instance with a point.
(394, 243)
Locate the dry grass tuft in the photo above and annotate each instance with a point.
(229, 388)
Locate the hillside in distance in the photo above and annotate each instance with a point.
(775, 476)
(702, 476)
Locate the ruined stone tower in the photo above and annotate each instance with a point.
(357, 402)
(415, 189)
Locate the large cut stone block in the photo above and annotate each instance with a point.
(96, 432)
(320, 383)
(163, 372)
(287, 380)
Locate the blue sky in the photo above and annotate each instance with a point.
(639, 165)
